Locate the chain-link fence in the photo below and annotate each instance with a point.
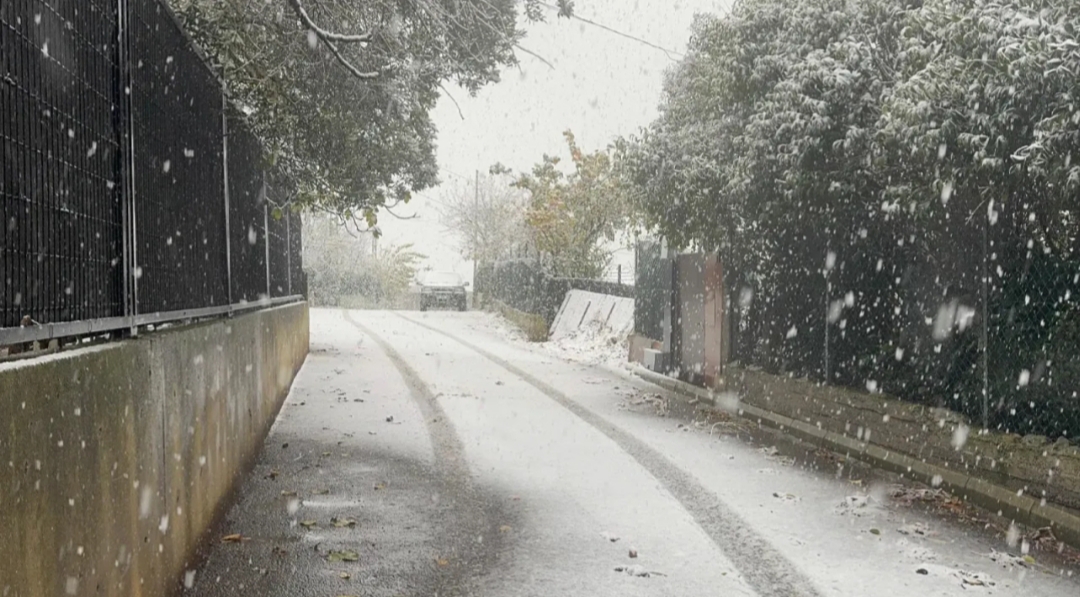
(972, 309)
(130, 185)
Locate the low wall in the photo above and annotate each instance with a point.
(1029, 465)
(115, 459)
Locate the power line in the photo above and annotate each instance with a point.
(670, 53)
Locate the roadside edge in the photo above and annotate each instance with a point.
(1020, 508)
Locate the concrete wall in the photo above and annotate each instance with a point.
(115, 459)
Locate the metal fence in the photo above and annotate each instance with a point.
(652, 290)
(524, 285)
(978, 312)
(131, 189)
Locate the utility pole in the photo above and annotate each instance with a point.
(476, 237)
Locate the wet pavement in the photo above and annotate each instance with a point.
(447, 460)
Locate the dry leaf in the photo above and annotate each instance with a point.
(379, 486)
(343, 556)
(273, 474)
(326, 453)
(344, 575)
(323, 492)
(234, 538)
(288, 493)
(442, 562)
(307, 524)
(343, 522)
(504, 528)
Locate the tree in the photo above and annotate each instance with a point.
(345, 116)
(488, 219)
(568, 215)
(342, 265)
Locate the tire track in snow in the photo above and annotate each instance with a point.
(471, 515)
(767, 571)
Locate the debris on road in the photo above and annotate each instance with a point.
(639, 571)
(917, 529)
(609, 536)
(633, 552)
(345, 555)
(788, 498)
(853, 505)
(390, 419)
(343, 522)
(233, 538)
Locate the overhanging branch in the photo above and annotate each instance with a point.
(329, 38)
(322, 33)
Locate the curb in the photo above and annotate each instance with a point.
(1019, 508)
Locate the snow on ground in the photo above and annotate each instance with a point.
(592, 344)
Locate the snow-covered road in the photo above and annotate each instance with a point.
(578, 471)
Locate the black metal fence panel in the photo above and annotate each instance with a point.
(652, 289)
(123, 190)
(975, 312)
(247, 198)
(60, 211)
(179, 224)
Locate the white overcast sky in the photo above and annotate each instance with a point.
(602, 86)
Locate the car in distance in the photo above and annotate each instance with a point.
(442, 289)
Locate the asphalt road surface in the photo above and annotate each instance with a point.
(448, 460)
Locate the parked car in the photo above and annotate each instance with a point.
(445, 289)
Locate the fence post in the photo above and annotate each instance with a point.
(288, 253)
(126, 128)
(266, 241)
(984, 333)
(225, 168)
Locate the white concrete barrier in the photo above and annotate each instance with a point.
(581, 309)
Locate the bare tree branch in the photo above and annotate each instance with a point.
(447, 92)
(323, 34)
(341, 59)
(535, 55)
(328, 38)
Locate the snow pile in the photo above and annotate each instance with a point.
(593, 343)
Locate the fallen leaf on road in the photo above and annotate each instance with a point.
(323, 492)
(343, 522)
(875, 531)
(234, 538)
(504, 528)
(498, 383)
(786, 497)
(442, 562)
(390, 419)
(288, 493)
(308, 524)
(609, 537)
(278, 551)
(344, 575)
(326, 453)
(379, 486)
(273, 474)
(343, 556)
